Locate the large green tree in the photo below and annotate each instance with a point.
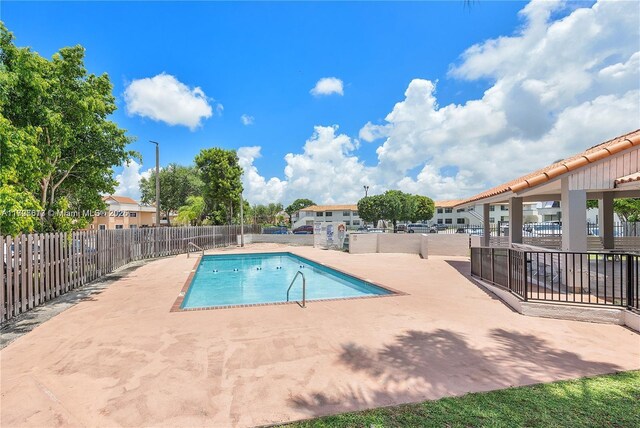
(177, 184)
(56, 133)
(222, 186)
(370, 208)
(423, 208)
(192, 212)
(628, 209)
(297, 205)
(267, 214)
(395, 206)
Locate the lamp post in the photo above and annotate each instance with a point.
(366, 190)
(241, 220)
(157, 182)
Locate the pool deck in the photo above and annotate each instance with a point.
(122, 358)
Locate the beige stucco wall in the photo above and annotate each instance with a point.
(289, 239)
(399, 243)
(448, 244)
(363, 243)
(423, 244)
(408, 243)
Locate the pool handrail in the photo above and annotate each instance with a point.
(304, 288)
(195, 246)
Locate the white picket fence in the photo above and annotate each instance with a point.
(41, 267)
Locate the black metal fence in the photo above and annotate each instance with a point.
(609, 279)
(542, 229)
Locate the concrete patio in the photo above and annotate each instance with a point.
(121, 358)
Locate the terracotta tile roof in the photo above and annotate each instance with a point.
(628, 178)
(536, 178)
(317, 208)
(449, 203)
(120, 199)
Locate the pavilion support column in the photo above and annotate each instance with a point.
(574, 218)
(486, 226)
(605, 220)
(515, 221)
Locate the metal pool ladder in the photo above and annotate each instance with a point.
(304, 289)
(191, 244)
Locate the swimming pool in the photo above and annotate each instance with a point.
(252, 279)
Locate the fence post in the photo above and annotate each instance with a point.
(524, 276)
(493, 275)
(509, 269)
(630, 282)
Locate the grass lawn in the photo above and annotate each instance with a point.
(602, 401)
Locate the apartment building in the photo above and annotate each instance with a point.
(533, 212)
(341, 213)
(446, 213)
(123, 212)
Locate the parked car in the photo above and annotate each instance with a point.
(376, 231)
(303, 230)
(275, 230)
(362, 229)
(418, 228)
(401, 228)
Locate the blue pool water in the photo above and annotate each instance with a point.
(242, 279)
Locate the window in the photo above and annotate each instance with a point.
(460, 221)
(439, 221)
(504, 208)
(346, 213)
(355, 214)
(448, 221)
(356, 222)
(448, 210)
(460, 210)
(492, 220)
(439, 210)
(133, 226)
(329, 214)
(319, 214)
(504, 218)
(103, 227)
(347, 223)
(492, 208)
(118, 226)
(133, 214)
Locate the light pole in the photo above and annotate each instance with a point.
(157, 182)
(241, 220)
(366, 190)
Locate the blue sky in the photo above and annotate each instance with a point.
(262, 60)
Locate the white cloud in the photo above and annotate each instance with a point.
(370, 132)
(328, 86)
(129, 180)
(557, 88)
(326, 171)
(164, 98)
(247, 120)
(257, 189)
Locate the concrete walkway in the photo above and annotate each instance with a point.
(121, 358)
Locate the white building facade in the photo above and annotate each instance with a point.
(326, 213)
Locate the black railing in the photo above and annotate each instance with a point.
(609, 279)
(542, 229)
